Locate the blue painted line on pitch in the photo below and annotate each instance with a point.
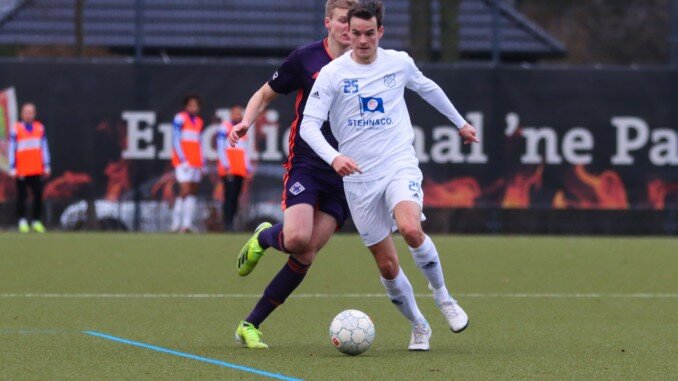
(192, 357)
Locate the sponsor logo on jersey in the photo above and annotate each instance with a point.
(275, 76)
(389, 80)
(315, 95)
(371, 104)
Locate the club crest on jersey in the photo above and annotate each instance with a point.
(371, 104)
(297, 188)
(389, 80)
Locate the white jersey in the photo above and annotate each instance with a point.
(367, 110)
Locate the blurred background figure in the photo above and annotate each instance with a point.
(188, 163)
(233, 166)
(29, 163)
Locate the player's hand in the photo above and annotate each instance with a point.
(345, 166)
(237, 132)
(468, 132)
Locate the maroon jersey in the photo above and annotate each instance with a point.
(298, 73)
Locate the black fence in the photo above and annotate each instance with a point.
(563, 151)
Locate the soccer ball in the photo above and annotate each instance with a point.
(352, 332)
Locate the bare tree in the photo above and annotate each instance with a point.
(420, 30)
(606, 31)
(449, 30)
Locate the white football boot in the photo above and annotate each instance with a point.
(421, 333)
(455, 315)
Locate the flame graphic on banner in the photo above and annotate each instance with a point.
(658, 191)
(461, 192)
(66, 185)
(607, 187)
(164, 187)
(518, 189)
(118, 180)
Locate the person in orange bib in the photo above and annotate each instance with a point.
(233, 166)
(187, 160)
(29, 162)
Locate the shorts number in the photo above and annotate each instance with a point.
(415, 187)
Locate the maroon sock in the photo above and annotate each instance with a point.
(284, 283)
(273, 237)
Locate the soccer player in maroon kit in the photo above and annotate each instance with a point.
(313, 196)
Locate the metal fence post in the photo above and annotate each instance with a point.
(138, 30)
(673, 35)
(496, 44)
(79, 31)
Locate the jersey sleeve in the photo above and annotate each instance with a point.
(415, 78)
(321, 97)
(12, 148)
(222, 144)
(176, 136)
(286, 79)
(431, 92)
(46, 157)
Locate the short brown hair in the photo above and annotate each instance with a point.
(331, 5)
(191, 97)
(366, 9)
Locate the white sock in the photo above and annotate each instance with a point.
(189, 210)
(401, 293)
(177, 212)
(428, 261)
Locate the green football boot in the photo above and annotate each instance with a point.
(249, 336)
(38, 227)
(23, 226)
(251, 253)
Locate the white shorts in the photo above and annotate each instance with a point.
(187, 174)
(372, 202)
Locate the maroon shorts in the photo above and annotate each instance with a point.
(323, 190)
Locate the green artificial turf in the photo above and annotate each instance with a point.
(540, 308)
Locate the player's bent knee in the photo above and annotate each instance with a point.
(388, 268)
(412, 234)
(296, 242)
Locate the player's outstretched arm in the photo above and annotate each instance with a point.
(436, 97)
(256, 105)
(468, 133)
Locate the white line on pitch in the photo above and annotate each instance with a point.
(327, 295)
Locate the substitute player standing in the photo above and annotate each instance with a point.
(188, 163)
(29, 162)
(313, 196)
(363, 94)
(233, 166)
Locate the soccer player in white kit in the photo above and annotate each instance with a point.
(362, 93)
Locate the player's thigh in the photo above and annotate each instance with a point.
(298, 223)
(405, 197)
(324, 225)
(407, 215)
(368, 210)
(184, 188)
